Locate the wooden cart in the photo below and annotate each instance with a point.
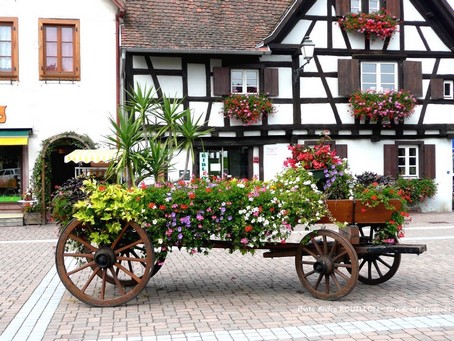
(328, 263)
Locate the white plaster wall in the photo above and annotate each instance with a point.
(196, 80)
(52, 108)
(274, 157)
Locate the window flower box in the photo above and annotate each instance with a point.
(382, 107)
(248, 108)
(379, 24)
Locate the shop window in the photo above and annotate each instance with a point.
(10, 173)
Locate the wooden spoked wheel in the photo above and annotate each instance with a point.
(321, 267)
(376, 268)
(104, 276)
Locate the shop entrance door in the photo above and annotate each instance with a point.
(224, 162)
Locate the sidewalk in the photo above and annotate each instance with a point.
(226, 296)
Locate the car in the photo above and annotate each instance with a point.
(9, 177)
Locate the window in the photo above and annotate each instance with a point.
(378, 76)
(59, 49)
(8, 48)
(408, 161)
(356, 6)
(448, 90)
(244, 81)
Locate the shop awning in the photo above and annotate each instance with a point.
(14, 137)
(91, 155)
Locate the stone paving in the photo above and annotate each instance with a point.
(226, 296)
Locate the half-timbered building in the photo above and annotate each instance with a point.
(202, 51)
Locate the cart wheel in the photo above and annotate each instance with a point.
(137, 251)
(375, 268)
(321, 267)
(127, 262)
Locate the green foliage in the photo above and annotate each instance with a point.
(416, 191)
(64, 197)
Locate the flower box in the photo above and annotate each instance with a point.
(379, 24)
(355, 212)
(248, 108)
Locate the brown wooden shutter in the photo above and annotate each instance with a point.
(341, 150)
(394, 7)
(429, 161)
(412, 73)
(342, 7)
(271, 81)
(436, 88)
(390, 160)
(348, 76)
(221, 81)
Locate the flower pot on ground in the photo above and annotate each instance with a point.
(248, 108)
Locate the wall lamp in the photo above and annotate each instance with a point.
(307, 51)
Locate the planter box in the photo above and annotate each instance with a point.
(33, 218)
(351, 211)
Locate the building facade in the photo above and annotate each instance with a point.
(203, 51)
(58, 85)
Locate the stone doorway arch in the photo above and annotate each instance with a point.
(43, 172)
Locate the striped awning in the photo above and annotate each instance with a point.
(91, 155)
(14, 137)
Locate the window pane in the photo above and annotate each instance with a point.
(388, 79)
(67, 34)
(5, 33)
(355, 6)
(51, 33)
(5, 64)
(369, 67)
(374, 5)
(412, 151)
(51, 49)
(67, 50)
(387, 68)
(369, 78)
(67, 64)
(412, 171)
(51, 64)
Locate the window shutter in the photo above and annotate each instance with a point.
(436, 88)
(271, 81)
(429, 161)
(390, 160)
(221, 81)
(341, 150)
(394, 7)
(348, 76)
(412, 73)
(342, 7)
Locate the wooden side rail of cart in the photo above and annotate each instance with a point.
(328, 263)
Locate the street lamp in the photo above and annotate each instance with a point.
(307, 51)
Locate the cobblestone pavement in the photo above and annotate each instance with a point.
(226, 296)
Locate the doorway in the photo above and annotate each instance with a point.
(230, 162)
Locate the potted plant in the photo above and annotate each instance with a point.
(364, 199)
(248, 108)
(390, 106)
(379, 24)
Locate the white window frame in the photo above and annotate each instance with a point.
(379, 75)
(244, 80)
(356, 6)
(448, 89)
(405, 168)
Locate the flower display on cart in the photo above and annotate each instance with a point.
(248, 213)
(248, 108)
(379, 24)
(384, 107)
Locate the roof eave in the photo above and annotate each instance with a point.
(140, 50)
